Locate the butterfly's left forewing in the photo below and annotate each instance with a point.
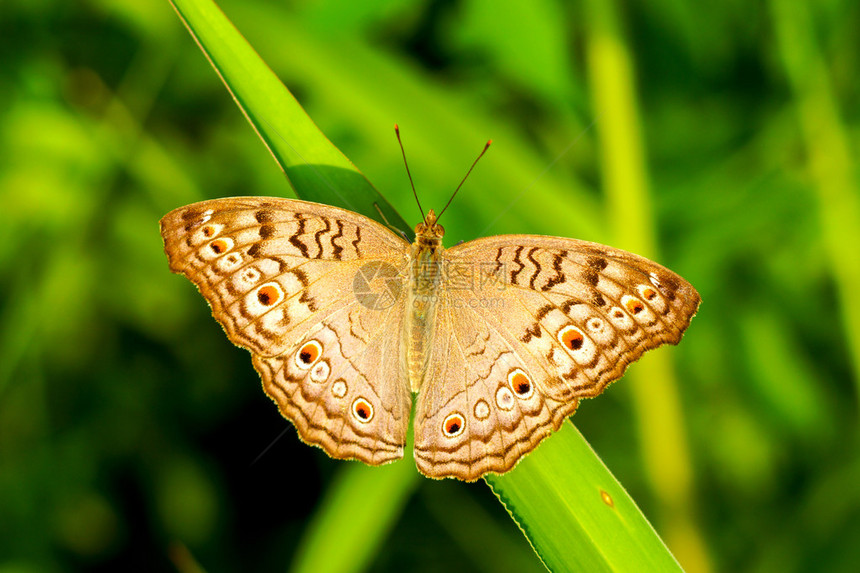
(535, 324)
(293, 282)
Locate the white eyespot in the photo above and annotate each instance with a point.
(482, 409)
(338, 389)
(320, 372)
(595, 325)
(504, 398)
(308, 354)
(269, 294)
(218, 247)
(231, 261)
(620, 318)
(453, 425)
(654, 280)
(362, 410)
(250, 276)
(521, 383)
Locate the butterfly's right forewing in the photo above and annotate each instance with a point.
(281, 277)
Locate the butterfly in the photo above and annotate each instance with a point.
(499, 338)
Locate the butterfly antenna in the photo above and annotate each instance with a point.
(390, 226)
(403, 152)
(480, 155)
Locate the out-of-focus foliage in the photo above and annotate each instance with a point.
(130, 428)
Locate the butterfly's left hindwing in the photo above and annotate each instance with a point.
(535, 323)
(280, 276)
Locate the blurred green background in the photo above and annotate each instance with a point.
(718, 137)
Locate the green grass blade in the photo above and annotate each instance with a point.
(354, 517)
(575, 513)
(315, 168)
(832, 162)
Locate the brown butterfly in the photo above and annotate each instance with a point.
(499, 337)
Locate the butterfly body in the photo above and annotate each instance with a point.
(423, 287)
(499, 337)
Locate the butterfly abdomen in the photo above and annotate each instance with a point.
(425, 279)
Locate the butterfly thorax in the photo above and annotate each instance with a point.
(425, 258)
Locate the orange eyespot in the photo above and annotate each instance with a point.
(309, 352)
(572, 338)
(453, 425)
(218, 246)
(520, 383)
(362, 410)
(268, 295)
(649, 293)
(634, 306)
(208, 231)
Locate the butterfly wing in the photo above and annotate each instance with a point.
(313, 292)
(535, 324)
